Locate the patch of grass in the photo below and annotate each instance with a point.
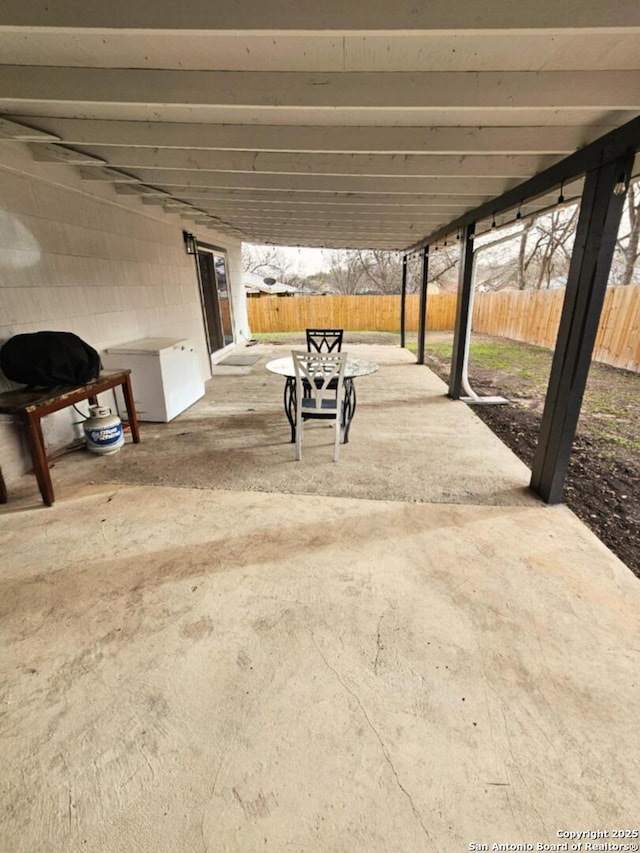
(521, 362)
(440, 350)
(276, 336)
(514, 357)
(616, 439)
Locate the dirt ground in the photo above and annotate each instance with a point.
(603, 481)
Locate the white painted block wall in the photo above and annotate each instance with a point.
(76, 256)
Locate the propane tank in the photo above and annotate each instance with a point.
(103, 431)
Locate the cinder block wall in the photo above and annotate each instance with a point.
(77, 256)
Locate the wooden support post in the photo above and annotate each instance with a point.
(403, 301)
(596, 233)
(463, 311)
(422, 319)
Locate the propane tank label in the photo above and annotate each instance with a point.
(107, 435)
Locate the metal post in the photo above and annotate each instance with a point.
(403, 301)
(463, 312)
(422, 319)
(600, 212)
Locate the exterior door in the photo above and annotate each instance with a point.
(212, 269)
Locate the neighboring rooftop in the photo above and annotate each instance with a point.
(255, 285)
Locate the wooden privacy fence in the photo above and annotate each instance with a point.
(618, 340)
(355, 313)
(531, 316)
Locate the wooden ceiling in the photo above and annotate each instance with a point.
(343, 124)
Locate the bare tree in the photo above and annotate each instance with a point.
(628, 246)
(442, 264)
(550, 254)
(541, 254)
(266, 261)
(521, 280)
(440, 268)
(382, 270)
(346, 272)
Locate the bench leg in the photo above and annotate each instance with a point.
(39, 458)
(3, 489)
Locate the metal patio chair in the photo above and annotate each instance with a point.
(324, 340)
(319, 392)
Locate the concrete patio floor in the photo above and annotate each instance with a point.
(210, 647)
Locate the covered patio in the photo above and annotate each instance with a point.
(214, 647)
(208, 646)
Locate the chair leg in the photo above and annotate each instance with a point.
(336, 446)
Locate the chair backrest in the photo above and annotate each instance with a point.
(319, 379)
(324, 340)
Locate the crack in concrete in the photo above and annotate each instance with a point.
(379, 645)
(384, 749)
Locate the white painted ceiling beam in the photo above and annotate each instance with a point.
(295, 218)
(389, 165)
(330, 15)
(106, 175)
(56, 154)
(292, 210)
(153, 201)
(336, 243)
(555, 50)
(252, 223)
(273, 90)
(337, 240)
(336, 224)
(16, 132)
(449, 186)
(425, 207)
(346, 236)
(365, 116)
(390, 210)
(212, 196)
(372, 140)
(300, 236)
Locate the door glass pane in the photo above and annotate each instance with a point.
(223, 298)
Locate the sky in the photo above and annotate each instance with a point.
(306, 261)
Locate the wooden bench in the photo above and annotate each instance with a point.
(29, 407)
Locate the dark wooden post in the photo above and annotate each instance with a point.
(463, 311)
(422, 318)
(596, 233)
(403, 301)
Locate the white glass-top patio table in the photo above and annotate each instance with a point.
(353, 368)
